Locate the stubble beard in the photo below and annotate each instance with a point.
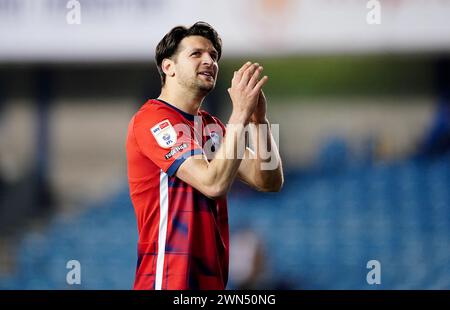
(206, 88)
(198, 86)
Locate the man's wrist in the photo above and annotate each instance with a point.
(263, 121)
(238, 118)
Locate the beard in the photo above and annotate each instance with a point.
(198, 84)
(205, 86)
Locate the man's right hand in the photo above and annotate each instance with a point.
(244, 92)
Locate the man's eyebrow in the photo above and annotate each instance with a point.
(197, 49)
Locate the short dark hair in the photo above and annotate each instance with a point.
(168, 46)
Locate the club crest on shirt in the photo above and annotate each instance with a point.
(164, 134)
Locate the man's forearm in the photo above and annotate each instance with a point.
(267, 166)
(223, 168)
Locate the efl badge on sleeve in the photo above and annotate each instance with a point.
(164, 134)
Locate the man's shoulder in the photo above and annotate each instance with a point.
(205, 113)
(154, 110)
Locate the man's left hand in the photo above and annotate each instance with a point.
(259, 115)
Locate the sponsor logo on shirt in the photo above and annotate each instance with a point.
(175, 150)
(164, 134)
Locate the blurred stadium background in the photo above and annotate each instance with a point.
(364, 115)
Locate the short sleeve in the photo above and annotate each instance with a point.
(163, 136)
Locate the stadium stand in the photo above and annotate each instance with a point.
(319, 232)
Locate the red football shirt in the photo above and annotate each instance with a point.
(183, 235)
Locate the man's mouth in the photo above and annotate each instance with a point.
(208, 74)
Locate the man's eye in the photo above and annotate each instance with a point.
(195, 54)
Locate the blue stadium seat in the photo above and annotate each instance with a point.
(319, 232)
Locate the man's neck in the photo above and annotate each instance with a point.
(185, 101)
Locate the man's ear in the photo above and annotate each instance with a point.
(168, 67)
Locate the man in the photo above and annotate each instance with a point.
(178, 188)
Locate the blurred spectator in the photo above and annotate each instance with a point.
(247, 260)
(249, 267)
(437, 140)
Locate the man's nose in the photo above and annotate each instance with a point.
(207, 59)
